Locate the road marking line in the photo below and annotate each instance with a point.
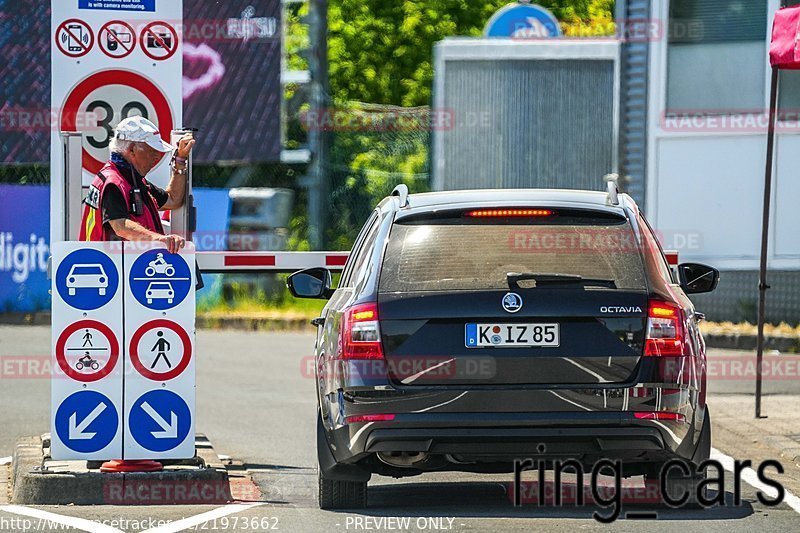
(5, 461)
(750, 477)
(69, 521)
(186, 523)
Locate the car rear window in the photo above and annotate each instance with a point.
(455, 253)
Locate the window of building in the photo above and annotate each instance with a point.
(716, 57)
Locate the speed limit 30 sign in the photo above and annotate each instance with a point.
(110, 69)
(113, 95)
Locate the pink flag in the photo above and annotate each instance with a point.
(784, 51)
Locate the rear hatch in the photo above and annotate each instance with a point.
(513, 297)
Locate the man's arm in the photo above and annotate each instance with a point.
(133, 231)
(176, 189)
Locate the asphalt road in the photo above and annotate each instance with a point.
(255, 401)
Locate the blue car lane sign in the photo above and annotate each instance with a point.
(160, 280)
(523, 21)
(160, 420)
(86, 422)
(87, 279)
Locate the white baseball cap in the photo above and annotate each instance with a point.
(139, 129)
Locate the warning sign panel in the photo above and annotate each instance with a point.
(113, 60)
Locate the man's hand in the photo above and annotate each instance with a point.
(185, 145)
(174, 243)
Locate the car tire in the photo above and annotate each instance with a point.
(677, 483)
(102, 292)
(72, 292)
(335, 494)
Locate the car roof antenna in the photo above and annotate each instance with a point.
(613, 188)
(402, 191)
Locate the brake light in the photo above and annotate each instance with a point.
(665, 335)
(659, 415)
(361, 335)
(506, 213)
(369, 418)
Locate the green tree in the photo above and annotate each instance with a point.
(381, 51)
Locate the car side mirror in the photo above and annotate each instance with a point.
(696, 278)
(310, 283)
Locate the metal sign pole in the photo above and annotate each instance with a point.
(762, 278)
(183, 221)
(66, 190)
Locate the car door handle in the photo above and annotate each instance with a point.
(319, 321)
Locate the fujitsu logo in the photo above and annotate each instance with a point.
(620, 309)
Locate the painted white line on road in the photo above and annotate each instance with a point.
(192, 521)
(5, 461)
(750, 477)
(47, 520)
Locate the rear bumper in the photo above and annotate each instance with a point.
(526, 442)
(503, 437)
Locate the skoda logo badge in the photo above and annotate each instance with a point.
(512, 302)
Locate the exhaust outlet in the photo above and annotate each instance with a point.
(403, 459)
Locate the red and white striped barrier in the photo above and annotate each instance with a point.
(672, 257)
(276, 262)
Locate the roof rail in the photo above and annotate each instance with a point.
(401, 191)
(613, 188)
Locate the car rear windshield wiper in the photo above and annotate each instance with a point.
(513, 279)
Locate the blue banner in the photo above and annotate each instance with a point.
(119, 5)
(25, 243)
(24, 247)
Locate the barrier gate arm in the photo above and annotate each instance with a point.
(268, 262)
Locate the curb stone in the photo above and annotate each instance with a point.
(32, 483)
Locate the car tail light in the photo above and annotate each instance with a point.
(659, 415)
(665, 335)
(361, 334)
(506, 213)
(369, 418)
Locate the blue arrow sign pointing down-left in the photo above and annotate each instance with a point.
(76, 431)
(86, 421)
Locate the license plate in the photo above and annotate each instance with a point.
(511, 335)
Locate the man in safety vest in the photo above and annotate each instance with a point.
(122, 204)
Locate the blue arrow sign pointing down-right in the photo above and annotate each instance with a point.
(160, 420)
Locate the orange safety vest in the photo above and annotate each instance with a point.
(92, 227)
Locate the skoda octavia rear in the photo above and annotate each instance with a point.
(471, 329)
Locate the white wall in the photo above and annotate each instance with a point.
(705, 179)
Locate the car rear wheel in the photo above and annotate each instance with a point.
(336, 493)
(679, 484)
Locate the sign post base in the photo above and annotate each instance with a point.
(119, 465)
